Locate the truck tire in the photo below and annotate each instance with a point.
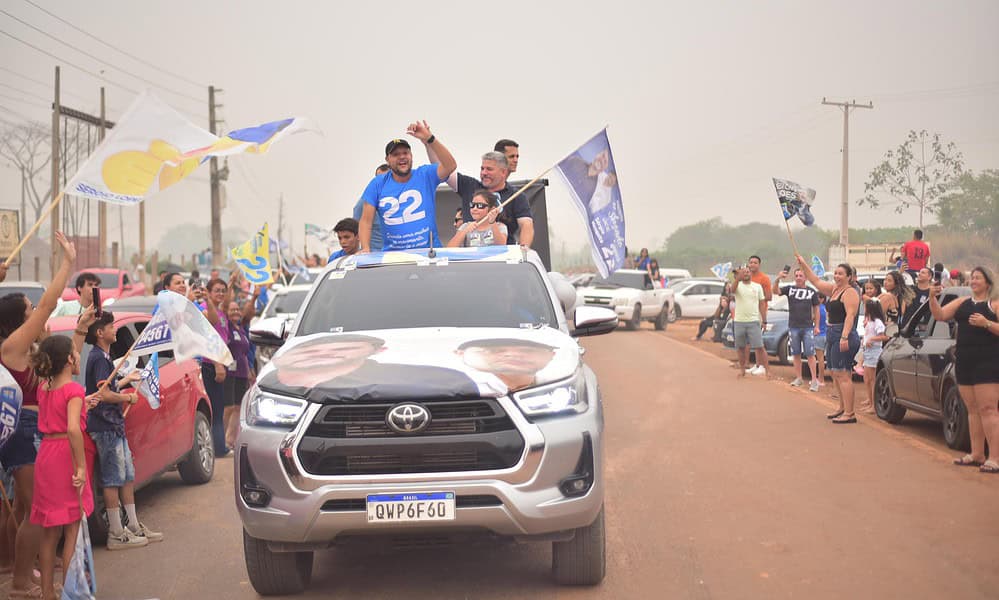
(662, 320)
(583, 559)
(275, 573)
(675, 314)
(884, 399)
(636, 319)
(955, 420)
(199, 464)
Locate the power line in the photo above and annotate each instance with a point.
(115, 48)
(47, 86)
(100, 60)
(84, 70)
(21, 100)
(25, 92)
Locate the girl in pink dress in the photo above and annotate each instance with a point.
(62, 487)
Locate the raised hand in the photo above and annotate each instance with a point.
(420, 130)
(68, 248)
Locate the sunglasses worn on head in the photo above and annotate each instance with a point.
(479, 205)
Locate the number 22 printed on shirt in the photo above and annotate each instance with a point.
(410, 202)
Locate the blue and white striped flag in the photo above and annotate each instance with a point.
(721, 270)
(150, 382)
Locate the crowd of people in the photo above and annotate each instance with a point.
(70, 432)
(823, 316)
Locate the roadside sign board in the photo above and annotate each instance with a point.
(10, 233)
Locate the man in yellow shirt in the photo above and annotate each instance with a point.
(750, 315)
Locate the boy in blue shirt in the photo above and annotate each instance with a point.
(404, 198)
(106, 426)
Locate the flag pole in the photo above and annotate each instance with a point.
(34, 229)
(789, 236)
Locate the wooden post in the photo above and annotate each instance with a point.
(38, 268)
(102, 207)
(56, 110)
(114, 254)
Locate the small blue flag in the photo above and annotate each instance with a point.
(721, 270)
(150, 384)
(817, 267)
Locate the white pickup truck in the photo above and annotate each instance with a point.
(633, 297)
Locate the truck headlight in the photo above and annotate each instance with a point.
(265, 410)
(619, 301)
(568, 396)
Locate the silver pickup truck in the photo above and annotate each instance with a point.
(424, 395)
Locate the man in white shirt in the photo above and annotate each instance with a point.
(85, 284)
(750, 316)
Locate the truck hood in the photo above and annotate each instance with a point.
(593, 292)
(419, 364)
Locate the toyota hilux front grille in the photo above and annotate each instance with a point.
(471, 435)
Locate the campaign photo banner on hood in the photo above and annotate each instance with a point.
(390, 366)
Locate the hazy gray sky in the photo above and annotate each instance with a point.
(705, 100)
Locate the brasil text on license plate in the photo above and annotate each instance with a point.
(414, 506)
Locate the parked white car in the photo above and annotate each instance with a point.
(696, 297)
(632, 296)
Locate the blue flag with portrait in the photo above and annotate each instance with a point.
(592, 179)
(10, 405)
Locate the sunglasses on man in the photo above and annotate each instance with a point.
(479, 205)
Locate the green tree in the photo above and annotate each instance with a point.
(972, 205)
(917, 174)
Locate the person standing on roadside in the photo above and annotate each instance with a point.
(921, 292)
(874, 339)
(803, 316)
(915, 253)
(213, 374)
(750, 315)
(976, 364)
(405, 198)
(901, 297)
(85, 284)
(758, 276)
(843, 342)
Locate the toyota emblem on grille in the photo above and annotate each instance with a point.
(407, 418)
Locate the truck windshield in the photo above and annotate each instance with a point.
(409, 296)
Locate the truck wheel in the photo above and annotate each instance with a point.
(783, 352)
(275, 573)
(582, 560)
(663, 318)
(884, 399)
(675, 314)
(199, 465)
(955, 420)
(636, 319)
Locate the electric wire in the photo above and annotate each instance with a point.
(100, 60)
(115, 48)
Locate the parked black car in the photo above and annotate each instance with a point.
(916, 372)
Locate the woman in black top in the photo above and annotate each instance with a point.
(976, 363)
(895, 285)
(842, 340)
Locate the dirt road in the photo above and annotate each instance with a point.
(716, 488)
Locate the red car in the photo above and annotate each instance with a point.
(176, 435)
(115, 284)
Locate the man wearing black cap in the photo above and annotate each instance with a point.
(405, 198)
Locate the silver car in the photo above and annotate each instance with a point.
(435, 395)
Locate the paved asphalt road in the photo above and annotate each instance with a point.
(716, 488)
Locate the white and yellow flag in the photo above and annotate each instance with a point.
(153, 147)
(253, 258)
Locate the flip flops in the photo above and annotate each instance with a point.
(967, 461)
(989, 466)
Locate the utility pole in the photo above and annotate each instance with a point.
(216, 228)
(844, 215)
(55, 250)
(102, 207)
(280, 229)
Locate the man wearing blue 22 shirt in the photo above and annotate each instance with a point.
(404, 198)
